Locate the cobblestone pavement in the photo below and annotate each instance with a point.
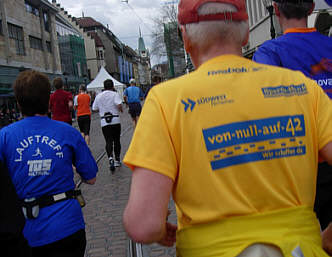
(106, 200)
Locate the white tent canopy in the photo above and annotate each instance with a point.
(97, 84)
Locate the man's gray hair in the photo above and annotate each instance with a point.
(207, 32)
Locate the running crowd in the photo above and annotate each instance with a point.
(38, 156)
(250, 174)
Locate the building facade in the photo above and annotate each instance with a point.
(128, 65)
(121, 61)
(72, 54)
(27, 39)
(94, 49)
(159, 72)
(175, 51)
(111, 44)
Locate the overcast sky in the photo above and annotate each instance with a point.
(124, 19)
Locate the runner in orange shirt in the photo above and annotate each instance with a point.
(82, 106)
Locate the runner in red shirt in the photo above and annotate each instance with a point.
(61, 103)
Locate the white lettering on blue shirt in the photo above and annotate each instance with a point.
(27, 142)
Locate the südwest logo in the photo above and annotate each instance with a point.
(211, 100)
(188, 104)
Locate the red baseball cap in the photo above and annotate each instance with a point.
(188, 11)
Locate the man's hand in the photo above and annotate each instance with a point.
(70, 105)
(90, 181)
(327, 239)
(170, 236)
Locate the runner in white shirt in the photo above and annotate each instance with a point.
(109, 105)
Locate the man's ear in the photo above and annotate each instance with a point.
(185, 38)
(245, 41)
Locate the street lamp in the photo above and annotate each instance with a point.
(268, 5)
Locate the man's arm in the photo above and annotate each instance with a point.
(145, 215)
(70, 104)
(327, 239)
(125, 99)
(76, 103)
(50, 104)
(95, 105)
(326, 153)
(141, 94)
(120, 107)
(91, 181)
(70, 101)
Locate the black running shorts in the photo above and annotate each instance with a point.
(135, 109)
(84, 122)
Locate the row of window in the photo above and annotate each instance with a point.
(100, 54)
(35, 11)
(63, 30)
(16, 33)
(36, 43)
(31, 9)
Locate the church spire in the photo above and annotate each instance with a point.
(141, 45)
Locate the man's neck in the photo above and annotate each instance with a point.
(293, 23)
(36, 115)
(201, 56)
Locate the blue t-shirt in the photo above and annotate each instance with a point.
(306, 50)
(39, 153)
(133, 94)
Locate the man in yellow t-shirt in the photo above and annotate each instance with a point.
(235, 142)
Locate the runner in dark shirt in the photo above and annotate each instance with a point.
(11, 220)
(61, 103)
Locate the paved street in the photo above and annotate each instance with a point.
(106, 201)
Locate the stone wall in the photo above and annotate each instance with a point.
(41, 60)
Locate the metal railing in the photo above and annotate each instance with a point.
(134, 249)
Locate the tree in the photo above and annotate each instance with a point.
(167, 42)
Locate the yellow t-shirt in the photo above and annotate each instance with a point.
(237, 138)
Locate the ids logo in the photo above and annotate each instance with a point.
(39, 167)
